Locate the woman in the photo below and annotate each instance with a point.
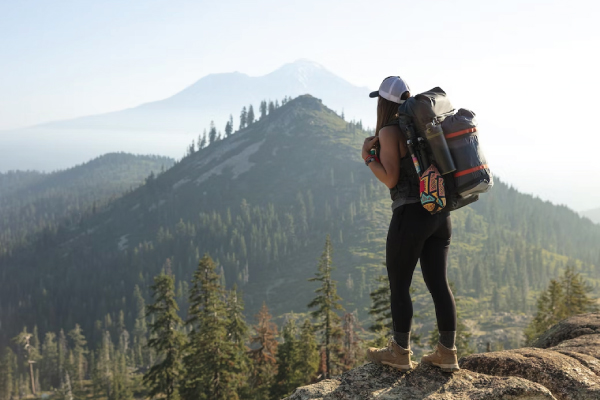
(413, 234)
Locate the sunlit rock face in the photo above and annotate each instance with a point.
(564, 363)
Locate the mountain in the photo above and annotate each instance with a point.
(594, 215)
(261, 202)
(167, 126)
(33, 201)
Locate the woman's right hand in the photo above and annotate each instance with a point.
(368, 145)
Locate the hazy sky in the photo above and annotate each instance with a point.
(528, 68)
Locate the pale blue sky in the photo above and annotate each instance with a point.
(528, 68)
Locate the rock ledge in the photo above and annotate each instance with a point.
(563, 364)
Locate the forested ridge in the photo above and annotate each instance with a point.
(33, 202)
(261, 202)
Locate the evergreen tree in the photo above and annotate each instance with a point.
(243, 118)
(263, 109)
(202, 143)
(167, 340)
(230, 124)
(8, 370)
(212, 133)
(250, 115)
(140, 329)
(288, 377)
(271, 107)
(228, 129)
(237, 331)
(563, 298)
(327, 302)
(209, 370)
(308, 363)
(49, 362)
(79, 353)
(576, 293)
(263, 357)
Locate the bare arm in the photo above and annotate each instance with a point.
(389, 169)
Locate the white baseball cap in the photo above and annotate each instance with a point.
(392, 88)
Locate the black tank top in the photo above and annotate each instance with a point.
(407, 189)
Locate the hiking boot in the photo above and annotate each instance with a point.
(394, 355)
(442, 357)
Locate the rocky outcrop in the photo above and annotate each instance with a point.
(570, 328)
(563, 364)
(373, 381)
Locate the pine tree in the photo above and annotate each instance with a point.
(271, 107)
(288, 357)
(263, 357)
(164, 376)
(79, 353)
(308, 363)
(212, 132)
(250, 115)
(203, 141)
(263, 109)
(140, 329)
(238, 332)
(563, 298)
(209, 370)
(8, 370)
(327, 302)
(228, 129)
(576, 293)
(243, 118)
(49, 362)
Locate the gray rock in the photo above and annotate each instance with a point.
(563, 364)
(564, 376)
(586, 344)
(570, 328)
(381, 382)
(592, 363)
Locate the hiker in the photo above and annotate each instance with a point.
(414, 234)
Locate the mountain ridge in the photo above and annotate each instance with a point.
(261, 202)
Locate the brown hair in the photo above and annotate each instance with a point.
(387, 111)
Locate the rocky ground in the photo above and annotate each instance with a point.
(563, 364)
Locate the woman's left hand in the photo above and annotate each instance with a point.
(368, 145)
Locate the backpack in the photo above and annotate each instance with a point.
(471, 175)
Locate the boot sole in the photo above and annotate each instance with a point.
(443, 367)
(403, 368)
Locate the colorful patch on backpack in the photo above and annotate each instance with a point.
(433, 194)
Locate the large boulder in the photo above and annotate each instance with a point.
(374, 381)
(565, 376)
(585, 344)
(570, 328)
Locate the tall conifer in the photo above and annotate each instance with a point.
(327, 301)
(210, 372)
(167, 340)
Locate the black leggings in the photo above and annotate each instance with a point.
(414, 233)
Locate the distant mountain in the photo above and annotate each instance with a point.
(32, 202)
(594, 215)
(261, 203)
(167, 126)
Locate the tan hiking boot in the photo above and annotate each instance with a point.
(442, 357)
(394, 355)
